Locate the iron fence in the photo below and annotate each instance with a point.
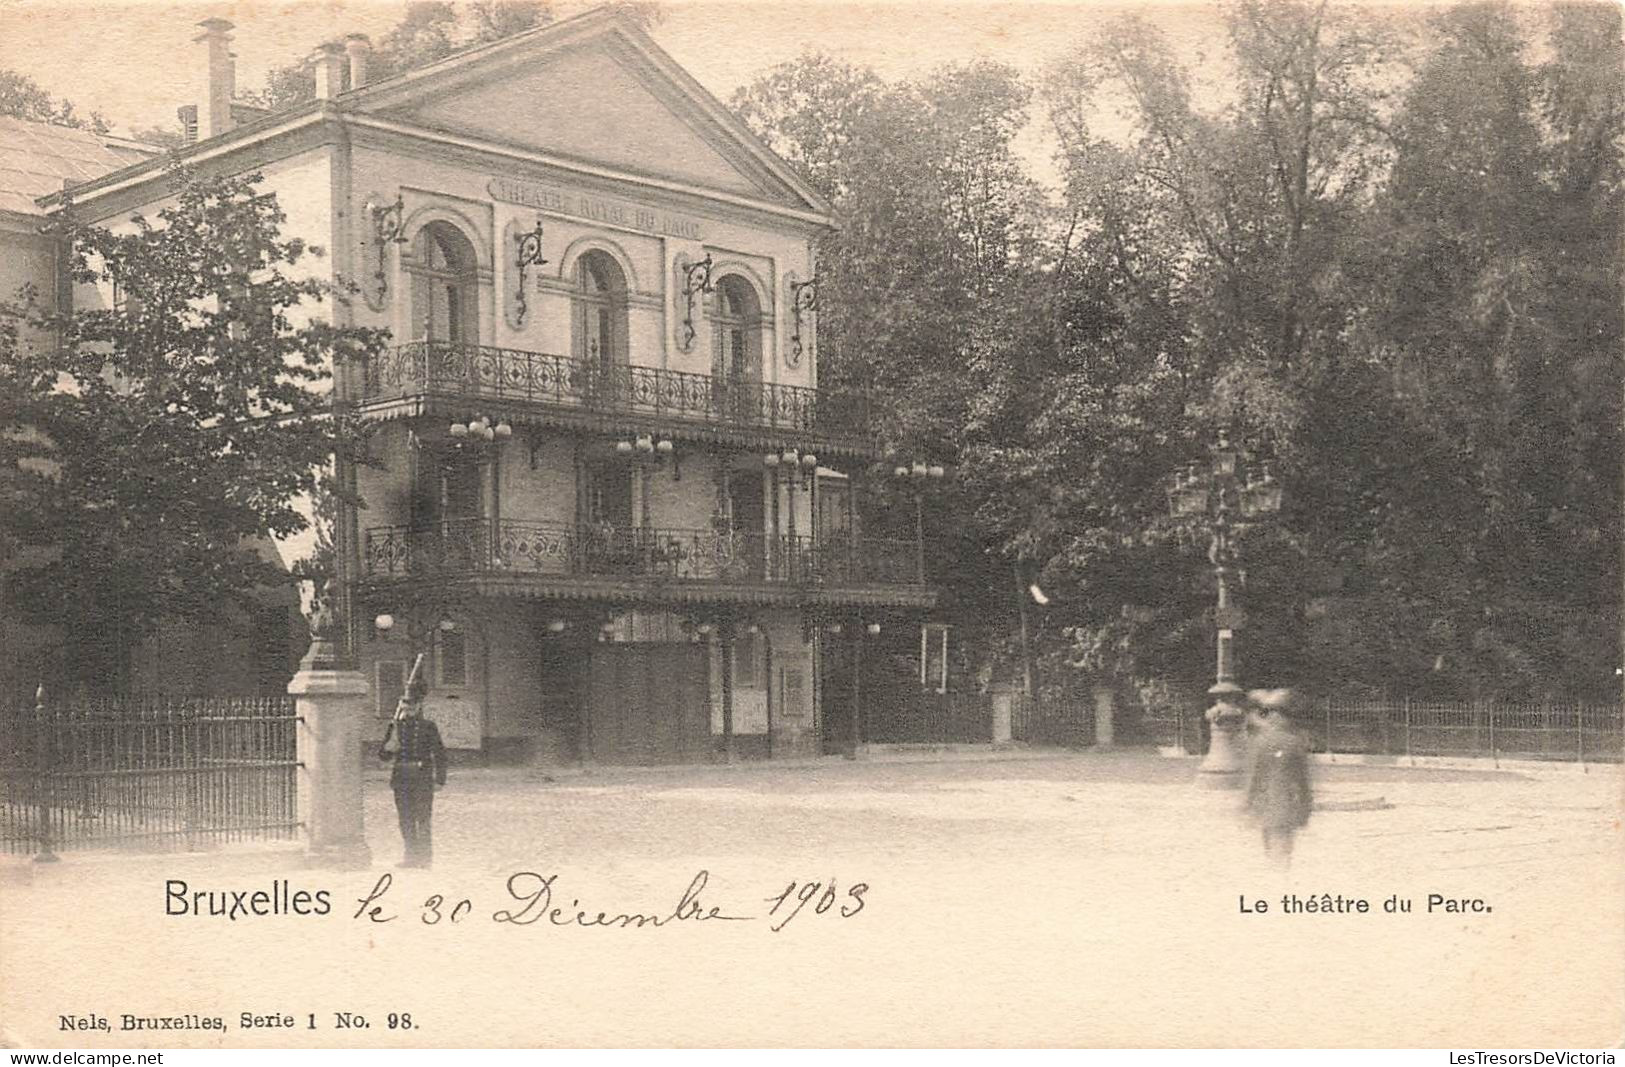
(474, 371)
(1572, 731)
(1058, 720)
(146, 772)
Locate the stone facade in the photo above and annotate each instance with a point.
(604, 475)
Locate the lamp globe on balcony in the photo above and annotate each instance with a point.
(790, 457)
(918, 470)
(502, 429)
(384, 623)
(664, 446)
(556, 626)
(623, 448)
(874, 629)
(646, 444)
(901, 472)
(770, 460)
(458, 430)
(809, 461)
(936, 471)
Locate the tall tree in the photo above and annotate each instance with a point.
(1394, 283)
(1496, 308)
(937, 227)
(151, 442)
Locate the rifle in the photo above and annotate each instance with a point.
(400, 706)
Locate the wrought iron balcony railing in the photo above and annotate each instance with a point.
(483, 371)
(481, 546)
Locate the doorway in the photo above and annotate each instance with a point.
(648, 704)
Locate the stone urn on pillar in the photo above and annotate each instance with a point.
(331, 705)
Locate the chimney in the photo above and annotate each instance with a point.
(214, 110)
(187, 114)
(360, 50)
(328, 60)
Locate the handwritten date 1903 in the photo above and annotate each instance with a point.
(537, 899)
(826, 896)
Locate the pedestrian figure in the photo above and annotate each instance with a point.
(419, 768)
(1278, 794)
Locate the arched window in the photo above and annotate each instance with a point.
(445, 286)
(736, 350)
(600, 311)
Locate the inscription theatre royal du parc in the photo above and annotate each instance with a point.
(589, 208)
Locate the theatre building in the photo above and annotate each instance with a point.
(607, 496)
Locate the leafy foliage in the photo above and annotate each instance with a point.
(938, 223)
(23, 98)
(1384, 254)
(153, 444)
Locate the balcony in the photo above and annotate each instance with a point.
(568, 386)
(639, 561)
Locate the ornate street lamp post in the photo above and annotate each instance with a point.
(915, 477)
(1235, 491)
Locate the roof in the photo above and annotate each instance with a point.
(424, 79)
(37, 157)
(593, 20)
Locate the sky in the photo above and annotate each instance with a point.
(135, 62)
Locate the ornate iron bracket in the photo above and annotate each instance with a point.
(529, 254)
(388, 222)
(696, 280)
(803, 302)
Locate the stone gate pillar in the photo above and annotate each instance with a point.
(331, 704)
(1105, 705)
(1001, 698)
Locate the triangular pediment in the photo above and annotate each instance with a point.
(602, 95)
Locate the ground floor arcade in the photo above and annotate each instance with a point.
(561, 681)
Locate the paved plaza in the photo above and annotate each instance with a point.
(1089, 898)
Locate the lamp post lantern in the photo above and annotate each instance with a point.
(916, 477)
(1233, 492)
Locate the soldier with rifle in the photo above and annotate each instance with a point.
(419, 767)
